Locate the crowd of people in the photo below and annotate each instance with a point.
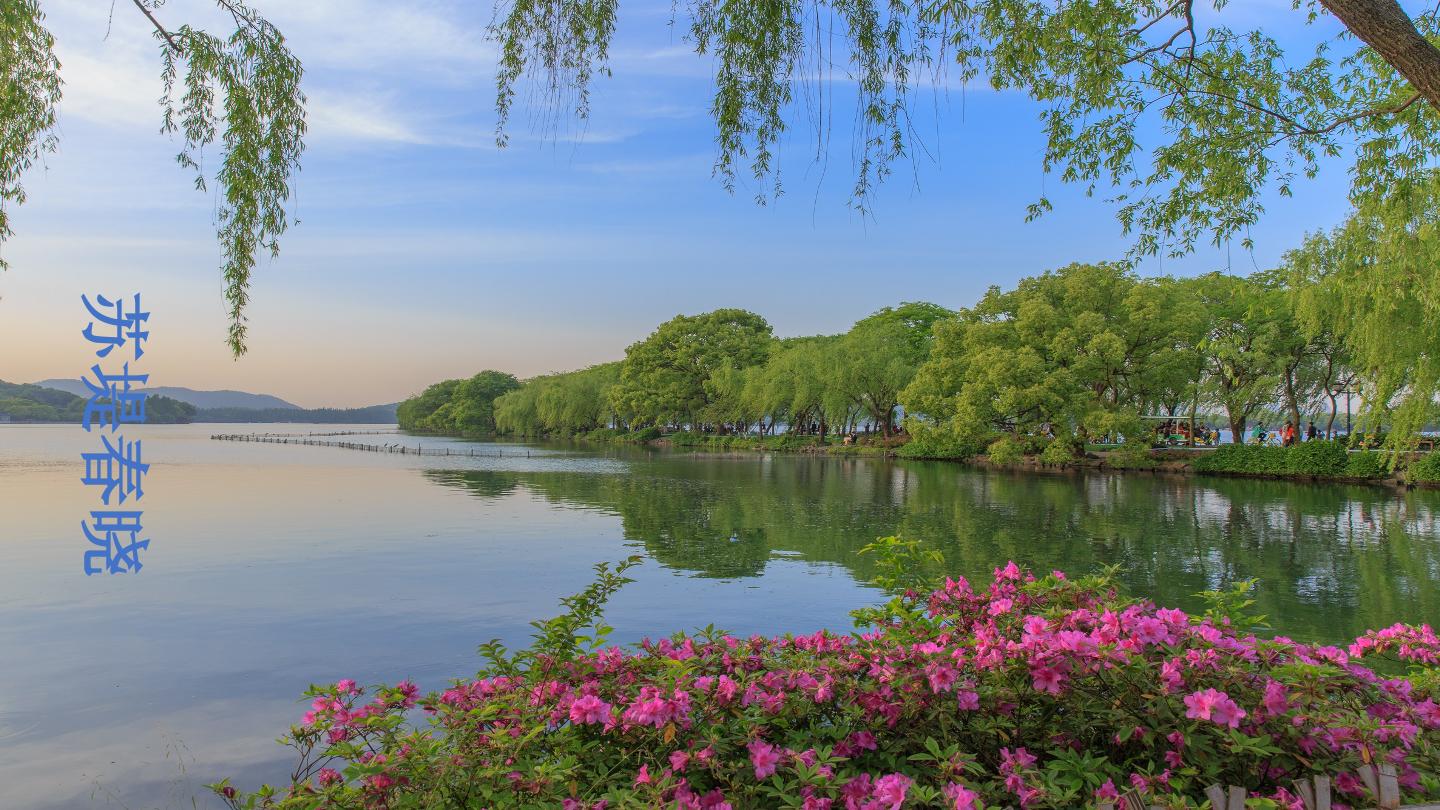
(1176, 432)
(1286, 436)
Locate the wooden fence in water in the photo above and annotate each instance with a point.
(331, 433)
(417, 449)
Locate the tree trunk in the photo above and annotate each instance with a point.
(1384, 26)
(1237, 429)
(1334, 410)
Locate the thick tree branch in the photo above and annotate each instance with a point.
(1384, 26)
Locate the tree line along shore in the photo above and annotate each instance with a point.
(1071, 367)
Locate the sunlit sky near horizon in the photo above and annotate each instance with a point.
(423, 252)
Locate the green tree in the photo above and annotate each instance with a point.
(662, 380)
(1374, 282)
(473, 402)
(417, 412)
(880, 354)
(1242, 346)
(797, 381)
(578, 401)
(1310, 360)
(1085, 348)
(559, 404)
(518, 412)
(728, 408)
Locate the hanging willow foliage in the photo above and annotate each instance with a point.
(763, 52)
(29, 90)
(242, 91)
(1227, 113)
(260, 123)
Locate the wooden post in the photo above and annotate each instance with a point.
(1306, 792)
(1367, 776)
(1322, 792)
(1389, 787)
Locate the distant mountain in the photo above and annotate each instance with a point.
(34, 403)
(200, 399)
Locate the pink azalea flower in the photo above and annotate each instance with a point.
(589, 709)
(1173, 617)
(1346, 783)
(1198, 705)
(941, 676)
(1048, 679)
(1018, 760)
(1214, 705)
(1150, 630)
(856, 789)
(1429, 713)
(764, 757)
(727, 689)
(963, 797)
(1170, 675)
(890, 790)
(1277, 700)
(1227, 712)
(380, 781)
(1287, 800)
(969, 700)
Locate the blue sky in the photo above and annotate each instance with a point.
(423, 252)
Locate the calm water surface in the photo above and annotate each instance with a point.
(276, 566)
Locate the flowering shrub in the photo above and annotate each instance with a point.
(1022, 692)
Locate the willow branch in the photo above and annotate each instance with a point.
(175, 46)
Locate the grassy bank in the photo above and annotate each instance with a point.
(1307, 461)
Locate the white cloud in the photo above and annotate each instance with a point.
(111, 72)
(370, 117)
(111, 65)
(421, 40)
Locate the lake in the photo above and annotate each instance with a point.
(274, 566)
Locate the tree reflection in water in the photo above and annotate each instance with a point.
(1332, 560)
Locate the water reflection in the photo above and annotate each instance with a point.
(1332, 560)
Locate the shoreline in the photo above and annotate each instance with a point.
(1161, 461)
